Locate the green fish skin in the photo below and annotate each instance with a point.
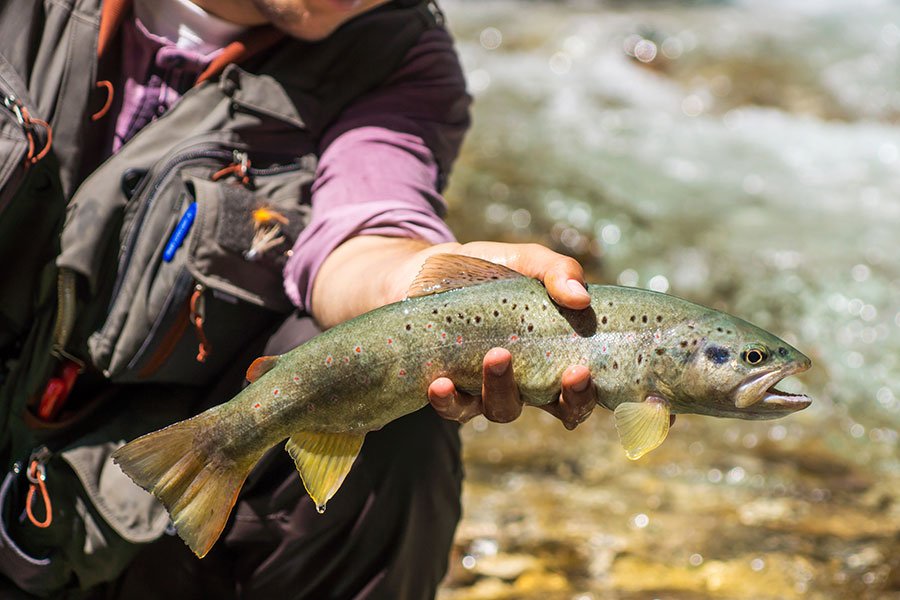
(651, 355)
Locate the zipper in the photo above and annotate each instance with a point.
(134, 229)
(178, 297)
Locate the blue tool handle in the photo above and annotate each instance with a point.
(181, 231)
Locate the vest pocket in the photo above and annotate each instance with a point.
(199, 275)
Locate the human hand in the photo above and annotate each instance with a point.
(499, 400)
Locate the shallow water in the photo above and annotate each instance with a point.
(745, 155)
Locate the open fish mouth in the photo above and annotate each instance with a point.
(759, 397)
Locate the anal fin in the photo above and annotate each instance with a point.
(323, 460)
(642, 426)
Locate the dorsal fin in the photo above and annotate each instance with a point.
(445, 272)
(260, 367)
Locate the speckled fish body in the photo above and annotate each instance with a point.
(650, 355)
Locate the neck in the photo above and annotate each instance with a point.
(239, 12)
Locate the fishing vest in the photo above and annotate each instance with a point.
(161, 264)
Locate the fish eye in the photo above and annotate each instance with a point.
(755, 354)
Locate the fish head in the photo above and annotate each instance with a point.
(726, 367)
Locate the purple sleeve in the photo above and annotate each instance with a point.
(384, 160)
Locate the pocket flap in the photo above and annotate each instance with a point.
(130, 511)
(224, 233)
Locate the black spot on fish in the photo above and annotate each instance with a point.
(728, 331)
(644, 319)
(522, 319)
(496, 313)
(477, 318)
(526, 307)
(693, 342)
(683, 343)
(514, 306)
(638, 380)
(659, 318)
(434, 312)
(603, 320)
(609, 303)
(408, 327)
(449, 319)
(717, 354)
(615, 364)
(503, 301)
(719, 329)
(660, 351)
(460, 315)
(640, 358)
(633, 318)
(530, 328)
(782, 351)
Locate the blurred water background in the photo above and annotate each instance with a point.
(744, 155)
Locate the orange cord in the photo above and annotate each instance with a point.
(197, 320)
(239, 169)
(109, 100)
(37, 482)
(28, 122)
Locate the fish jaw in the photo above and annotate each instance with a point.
(758, 398)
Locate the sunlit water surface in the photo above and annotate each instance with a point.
(744, 155)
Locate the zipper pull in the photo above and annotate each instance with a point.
(27, 123)
(37, 475)
(240, 167)
(198, 317)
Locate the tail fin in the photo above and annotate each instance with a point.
(197, 486)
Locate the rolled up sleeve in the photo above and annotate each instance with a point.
(384, 161)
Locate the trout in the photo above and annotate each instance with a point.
(651, 355)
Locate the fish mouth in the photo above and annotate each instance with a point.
(759, 397)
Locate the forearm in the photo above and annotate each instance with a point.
(366, 272)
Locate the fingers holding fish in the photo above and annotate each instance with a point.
(499, 393)
(577, 399)
(499, 400)
(452, 404)
(562, 275)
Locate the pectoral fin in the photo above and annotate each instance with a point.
(323, 460)
(642, 426)
(260, 367)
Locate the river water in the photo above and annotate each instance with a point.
(744, 155)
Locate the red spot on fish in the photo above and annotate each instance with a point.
(604, 349)
(428, 363)
(429, 326)
(257, 405)
(574, 334)
(357, 349)
(657, 336)
(346, 360)
(514, 338)
(390, 341)
(547, 354)
(402, 373)
(459, 339)
(275, 392)
(296, 379)
(443, 335)
(329, 360)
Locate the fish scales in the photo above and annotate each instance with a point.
(650, 355)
